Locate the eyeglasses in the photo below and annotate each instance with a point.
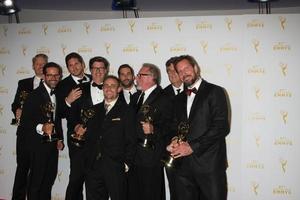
(98, 68)
(53, 75)
(139, 75)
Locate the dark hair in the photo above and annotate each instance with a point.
(155, 71)
(125, 66)
(52, 64)
(73, 55)
(112, 77)
(190, 59)
(41, 55)
(99, 59)
(171, 61)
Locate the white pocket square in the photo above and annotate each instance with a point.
(116, 119)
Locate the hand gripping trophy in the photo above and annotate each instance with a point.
(48, 111)
(147, 111)
(182, 131)
(22, 97)
(85, 115)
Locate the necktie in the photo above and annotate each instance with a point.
(140, 101)
(98, 86)
(106, 107)
(178, 91)
(81, 80)
(190, 91)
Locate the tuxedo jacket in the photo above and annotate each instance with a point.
(160, 112)
(209, 125)
(33, 114)
(23, 85)
(170, 91)
(111, 135)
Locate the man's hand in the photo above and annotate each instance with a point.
(48, 128)
(18, 113)
(60, 145)
(73, 95)
(147, 128)
(182, 149)
(79, 130)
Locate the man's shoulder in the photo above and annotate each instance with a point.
(26, 80)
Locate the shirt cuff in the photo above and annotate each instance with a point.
(39, 129)
(67, 102)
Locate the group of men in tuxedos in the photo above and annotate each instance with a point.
(132, 127)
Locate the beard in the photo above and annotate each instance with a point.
(127, 83)
(190, 82)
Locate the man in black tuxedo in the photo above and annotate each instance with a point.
(110, 145)
(148, 167)
(173, 89)
(201, 159)
(68, 91)
(39, 123)
(25, 87)
(126, 76)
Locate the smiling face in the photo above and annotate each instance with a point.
(173, 76)
(75, 67)
(187, 72)
(98, 72)
(52, 77)
(126, 77)
(38, 65)
(111, 89)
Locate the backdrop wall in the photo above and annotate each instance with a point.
(253, 56)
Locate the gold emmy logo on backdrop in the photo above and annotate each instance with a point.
(281, 46)
(65, 72)
(282, 190)
(204, 46)
(131, 25)
(177, 48)
(228, 69)
(107, 47)
(284, 116)
(228, 22)
(255, 187)
(59, 173)
(45, 29)
(107, 28)
(2, 69)
(24, 31)
(283, 141)
(228, 47)
(1, 109)
(2, 130)
(257, 117)
(255, 23)
(282, 21)
(23, 70)
(179, 24)
(64, 29)
(24, 50)
(256, 70)
(203, 26)
(64, 49)
(4, 50)
(254, 164)
(87, 27)
(130, 49)
(3, 90)
(85, 49)
(257, 140)
(154, 47)
(154, 27)
(43, 50)
(283, 164)
(257, 92)
(283, 93)
(256, 44)
(284, 68)
(5, 29)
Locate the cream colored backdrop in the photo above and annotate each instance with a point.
(255, 57)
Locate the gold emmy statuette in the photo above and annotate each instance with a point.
(22, 97)
(182, 131)
(147, 142)
(48, 111)
(85, 115)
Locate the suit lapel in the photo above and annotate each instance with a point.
(153, 95)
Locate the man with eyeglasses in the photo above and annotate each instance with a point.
(153, 112)
(38, 122)
(68, 91)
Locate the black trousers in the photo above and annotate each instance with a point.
(106, 178)
(23, 164)
(77, 173)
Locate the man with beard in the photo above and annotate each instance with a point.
(200, 160)
(126, 76)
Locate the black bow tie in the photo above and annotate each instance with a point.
(52, 92)
(98, 86)
(81, 80)
(190, 91)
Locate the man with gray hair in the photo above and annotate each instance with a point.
(153, 112)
